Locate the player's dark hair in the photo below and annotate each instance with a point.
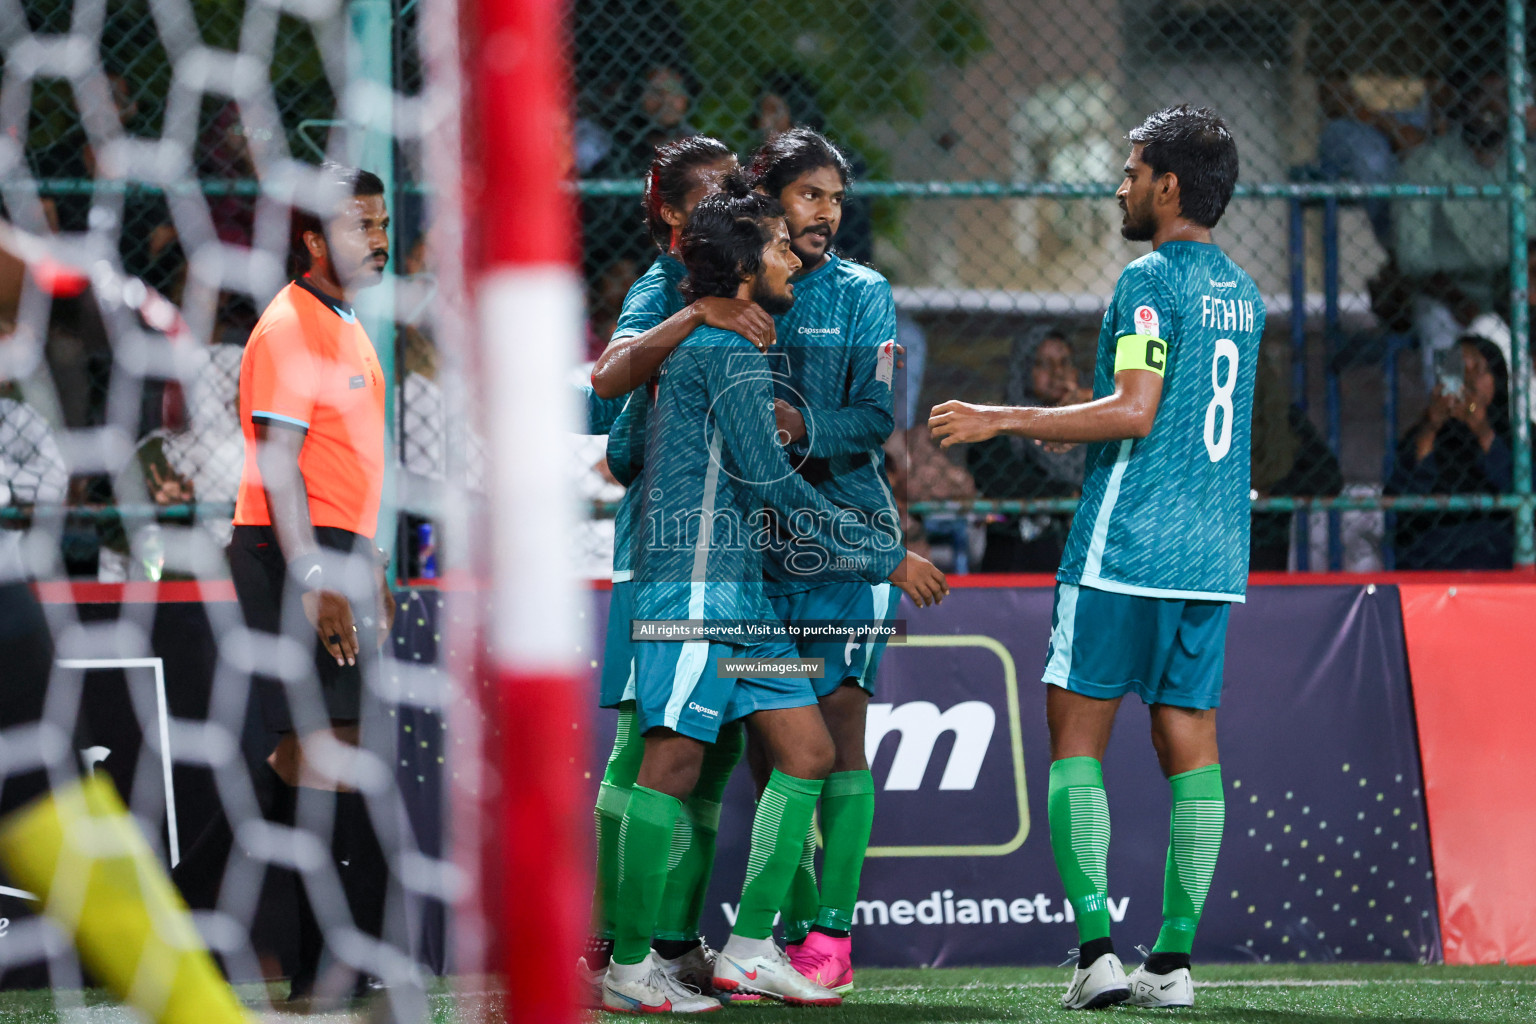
(723, 242)
(790, 154)
(336, 181)
(1195, 144)
(670, 178)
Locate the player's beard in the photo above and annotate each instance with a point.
(810, 257)
(773, 303)
(1139, 224)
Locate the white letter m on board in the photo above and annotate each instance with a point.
(920, 724)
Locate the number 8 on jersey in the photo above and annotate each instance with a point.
(1167, 515)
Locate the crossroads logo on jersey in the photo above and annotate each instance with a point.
(885, 368)
(945, 745)
(745, 369)
(1147, 322)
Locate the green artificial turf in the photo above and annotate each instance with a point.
(1251, 994)
(1239, 994)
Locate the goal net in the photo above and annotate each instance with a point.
(155, 156)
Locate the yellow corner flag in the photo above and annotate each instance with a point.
(81, 852)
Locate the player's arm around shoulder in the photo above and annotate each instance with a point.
(633, 356)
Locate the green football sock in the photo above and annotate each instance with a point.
(804, 897)
(1199, 812)
(645, 854)
(688, 883)
(612, 798)
(847, 814)
(1079, 816)
(778, 839)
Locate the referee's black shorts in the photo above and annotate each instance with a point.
(261, 578)
(26, 658)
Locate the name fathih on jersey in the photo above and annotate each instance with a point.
(1168, 515)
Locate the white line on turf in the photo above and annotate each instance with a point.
(1268, 983)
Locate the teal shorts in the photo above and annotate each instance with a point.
(854, 661)
(677, 686)
(1166, 651)
(617, 682)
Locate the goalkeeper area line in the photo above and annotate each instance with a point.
(1224, 994)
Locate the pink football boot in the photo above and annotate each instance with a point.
(826, 960)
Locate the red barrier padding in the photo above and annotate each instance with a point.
(89, 592)
(137, 592)
(1257, 579)
(1275, 579)
(1474, 691)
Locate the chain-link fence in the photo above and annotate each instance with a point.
(188, 438)
(1383, 164)
(1382, 146)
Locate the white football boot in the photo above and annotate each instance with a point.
(1102, 983)
(1176, 988)
(591, 984)
(760, 966)
(695, 968)
(646, 987)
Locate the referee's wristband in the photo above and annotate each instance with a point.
(306, 569)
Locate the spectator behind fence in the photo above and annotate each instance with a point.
(663, 100)
(32, 472)
(920, 472)
(1461, 445)
(1290, 458)
(1041, 372)
(195, 456)
(224, 154)
(32, 467)
(1362, 144)
(1453, 254)
(787, 101)
(206, 451)
(615, 254)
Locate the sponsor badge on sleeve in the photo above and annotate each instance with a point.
(885, 367)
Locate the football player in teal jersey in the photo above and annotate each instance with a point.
(1158, 550)
(712, 462)
(835, 361)
(653, 320)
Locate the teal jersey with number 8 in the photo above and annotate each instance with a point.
(1168, 515)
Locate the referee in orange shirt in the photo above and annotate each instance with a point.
(302, 553)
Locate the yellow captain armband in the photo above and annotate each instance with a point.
(1141, 352)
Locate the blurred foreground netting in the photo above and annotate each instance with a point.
(153, 157)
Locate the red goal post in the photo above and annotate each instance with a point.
(520, 269)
